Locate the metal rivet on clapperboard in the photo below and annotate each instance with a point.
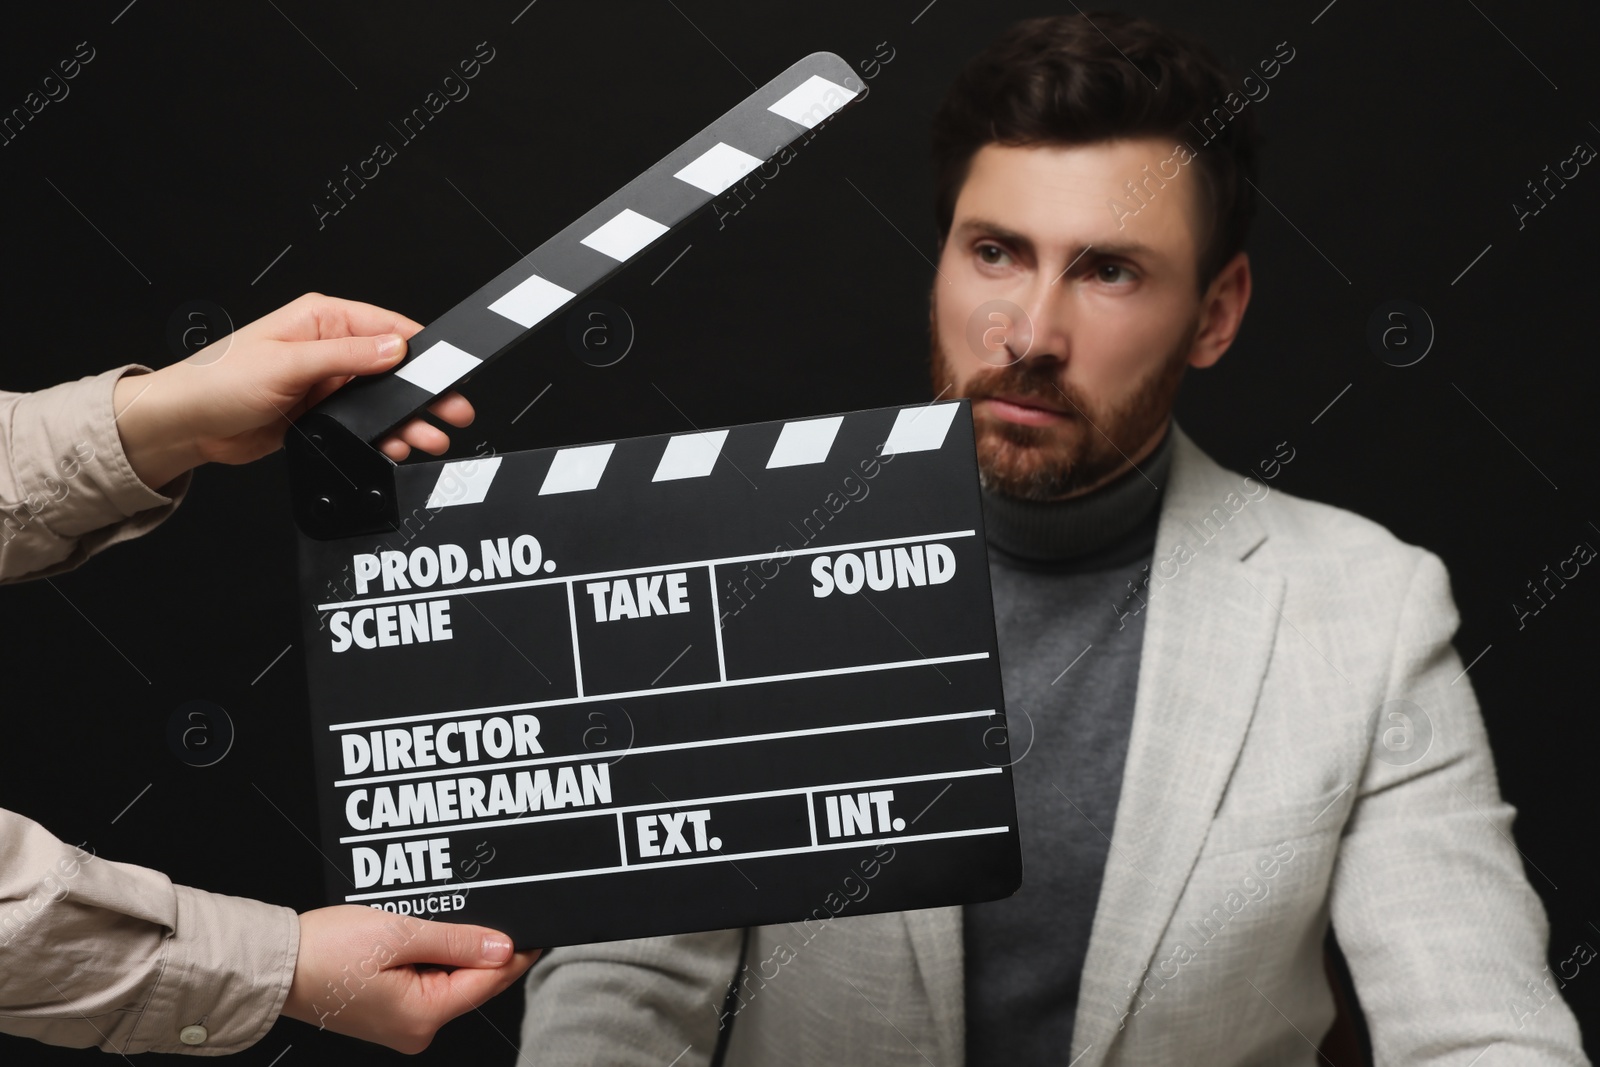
(323, 505)
(193, 1034)
(375, 500)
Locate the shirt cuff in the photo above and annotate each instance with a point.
(76, 449)
(75, 492)
(230, 962)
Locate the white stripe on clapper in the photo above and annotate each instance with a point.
(717, 168)
(439, 367)
(716, 616)
(812, 101)
(920, 429)
(576, 470)
(624, 235)
(804, 442)
(465, 481)
(690, 455)
(572, 619)
(532, 301)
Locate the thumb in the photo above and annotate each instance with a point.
(456, 945)
(343, 356)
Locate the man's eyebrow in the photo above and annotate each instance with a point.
(994, 229)
(1128, 249)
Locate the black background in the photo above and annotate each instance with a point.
(190, 150)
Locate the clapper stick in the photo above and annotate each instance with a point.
(342, 484)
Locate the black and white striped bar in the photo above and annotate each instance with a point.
(667, 683)
(692, 455)
(588, 251)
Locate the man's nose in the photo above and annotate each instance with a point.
(1039, 332)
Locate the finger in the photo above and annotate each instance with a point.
(395, 449)
(356, 318)
(421, 435)
(321, 391)
(315, 316)
(471, 987)
(454, 408)
(312, 361)
(456, 945)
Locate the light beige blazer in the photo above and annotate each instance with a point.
(1267, 791)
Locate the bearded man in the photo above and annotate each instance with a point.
(1236, 716)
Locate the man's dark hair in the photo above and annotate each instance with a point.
(1081, 79)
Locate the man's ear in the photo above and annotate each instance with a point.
(1221, 311)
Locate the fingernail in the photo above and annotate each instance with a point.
(496, 949)
(389, 344)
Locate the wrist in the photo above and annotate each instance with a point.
(154, 439)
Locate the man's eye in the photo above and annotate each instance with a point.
(993, 255)
(1113, 272)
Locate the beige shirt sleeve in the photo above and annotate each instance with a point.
(66, 489)
(94, 952)
(112, 955)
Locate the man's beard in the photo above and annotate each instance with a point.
(1088, 448)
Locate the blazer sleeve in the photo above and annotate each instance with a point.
(66, 488)
(1444, 935)
(643, 1003)
(96, 953)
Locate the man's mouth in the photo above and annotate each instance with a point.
(1024, 410)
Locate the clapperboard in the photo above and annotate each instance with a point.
(673, 683)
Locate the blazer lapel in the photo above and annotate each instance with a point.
(1207, 640)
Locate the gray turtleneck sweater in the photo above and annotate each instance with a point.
(1069, 615)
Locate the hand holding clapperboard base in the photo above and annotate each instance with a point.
(656, 685)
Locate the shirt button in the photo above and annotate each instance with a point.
(193, 1034)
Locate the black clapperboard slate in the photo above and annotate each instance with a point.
(694, 681)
